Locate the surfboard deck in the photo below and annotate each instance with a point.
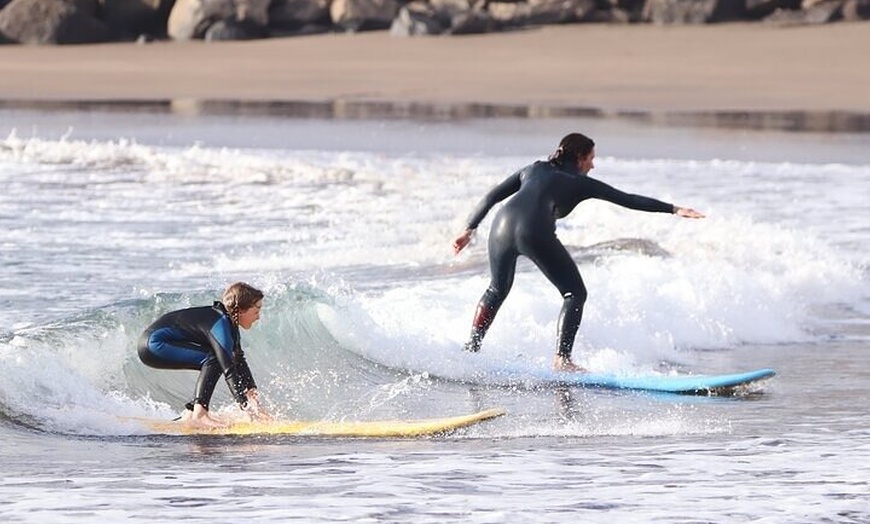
(727, 384)
(348, 429)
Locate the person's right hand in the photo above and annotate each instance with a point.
(462, 241)
(254, 408)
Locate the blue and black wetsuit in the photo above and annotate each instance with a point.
(203, 338)
(526, 225)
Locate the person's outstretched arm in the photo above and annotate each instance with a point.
(603, 191)
(506, 188)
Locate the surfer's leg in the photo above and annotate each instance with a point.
(556, 264)
(197, 413)
(209, 374)
(487, 308)
(502, 263)
(159, 350)
(569, 321)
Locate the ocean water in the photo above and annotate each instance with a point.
(108, 219)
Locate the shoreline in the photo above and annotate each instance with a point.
(804, 78)
(790, 121)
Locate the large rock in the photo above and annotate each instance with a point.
(616, 11)
(235, 30)
(363, 15)
(191, 19)
(52, 22)
(540, 12)
(296, 14)
(135, 17)
(471, 22)
(418, 19)
(811, 13)
(855, 10)
(693, 11)
(435, 17)
(465, 17)
(758, 9)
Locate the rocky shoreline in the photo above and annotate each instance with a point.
(50, 22)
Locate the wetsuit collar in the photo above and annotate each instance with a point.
(570, 169)
(218, 305)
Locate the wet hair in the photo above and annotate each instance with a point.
(572, 148)
(239, 297)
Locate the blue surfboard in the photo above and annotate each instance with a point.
(728, 384)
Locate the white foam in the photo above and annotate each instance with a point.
(92, 222)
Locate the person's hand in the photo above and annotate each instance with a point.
(261, 416)
(462, 241)
(254, 407)
(687, 212)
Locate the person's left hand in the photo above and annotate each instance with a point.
(687, 212)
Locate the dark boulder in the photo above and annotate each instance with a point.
(296, 15)
(131, 18)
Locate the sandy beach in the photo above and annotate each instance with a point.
(729, 67)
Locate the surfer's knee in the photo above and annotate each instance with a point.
(494, 296)
(576, 297)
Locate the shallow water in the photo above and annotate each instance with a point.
(110, 219)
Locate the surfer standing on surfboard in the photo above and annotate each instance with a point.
(526, 225)
(207, 339)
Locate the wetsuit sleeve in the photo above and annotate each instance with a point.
(235, 368)
(602, 191)
(506, 188)
(244, 377)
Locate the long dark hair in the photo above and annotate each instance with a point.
(238, 297)
(572, 148)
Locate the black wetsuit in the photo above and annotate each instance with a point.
(526, 225)
(202, 338)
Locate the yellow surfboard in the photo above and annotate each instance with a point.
(371, 428)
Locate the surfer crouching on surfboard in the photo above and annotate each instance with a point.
(207, 339)
(526, 225)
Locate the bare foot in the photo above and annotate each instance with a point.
(201, 418)
(186, 416)
(206, 421)
(564, 364)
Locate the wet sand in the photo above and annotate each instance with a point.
(719, 69)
